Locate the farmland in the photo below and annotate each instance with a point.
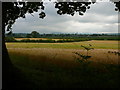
(36, 39)
(50, 65)
(74, 45)
(59, 38)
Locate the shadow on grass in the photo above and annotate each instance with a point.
(41, 74)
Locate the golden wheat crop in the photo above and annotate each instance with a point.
(59, 56)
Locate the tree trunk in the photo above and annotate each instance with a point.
(5, 56)
(7, 66)
(12, 77)
(10, 73)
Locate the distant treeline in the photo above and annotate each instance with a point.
(35, 34)
(63, 37)
(12, 39)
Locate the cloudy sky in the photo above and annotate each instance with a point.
(100, 18)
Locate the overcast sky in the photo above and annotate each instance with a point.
(100, 18)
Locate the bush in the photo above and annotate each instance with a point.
(10, 39)
(42, 41)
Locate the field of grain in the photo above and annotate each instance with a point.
(51, 65)
(64, 51)
(61, 55)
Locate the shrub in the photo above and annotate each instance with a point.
(10, 39)
(84, 57)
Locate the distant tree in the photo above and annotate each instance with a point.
(10, 39)
(28, 36)
(35, 34)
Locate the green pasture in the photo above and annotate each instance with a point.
(72, 45)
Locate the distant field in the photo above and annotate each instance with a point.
(74, 45)
(38, 39)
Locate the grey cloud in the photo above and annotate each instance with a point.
(104, 8)
(97, 19)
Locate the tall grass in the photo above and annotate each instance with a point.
(56, 55)
(54, 65)
(50, 68)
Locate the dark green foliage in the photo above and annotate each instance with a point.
(48, 41)
(10, 39)
(72, 7)
(87, 48)
(105, 38)
(40, 41)
(21, 35)
(84, 58)
(14, 10)
(28, 36)
(82, 37)
(34, 34)
(63, 40)
(72, 40)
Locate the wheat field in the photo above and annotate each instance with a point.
(64, 51)
(59, 55)
(55, 65)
